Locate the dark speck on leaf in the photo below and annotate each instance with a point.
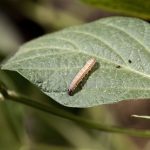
(118, 66)
(129, 61)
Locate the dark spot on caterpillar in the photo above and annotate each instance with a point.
(129, 61)
(118, 66)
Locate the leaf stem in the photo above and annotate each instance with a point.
(9, 95)
(141, 116)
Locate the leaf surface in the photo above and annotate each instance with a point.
(121, 47)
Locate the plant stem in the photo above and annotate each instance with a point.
(9, 95)
(140, 116)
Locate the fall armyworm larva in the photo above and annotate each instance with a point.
(81, 74)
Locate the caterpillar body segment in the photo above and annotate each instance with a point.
(81, 74)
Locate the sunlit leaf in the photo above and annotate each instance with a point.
(138, 8)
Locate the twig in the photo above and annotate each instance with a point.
(9, 95)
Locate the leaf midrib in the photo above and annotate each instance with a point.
(110, 62)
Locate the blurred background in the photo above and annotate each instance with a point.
(25, 128)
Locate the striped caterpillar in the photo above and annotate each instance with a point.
(81, 74)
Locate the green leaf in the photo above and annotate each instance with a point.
(52, 61)
(137, 8)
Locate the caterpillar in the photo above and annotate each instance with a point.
(81, 74)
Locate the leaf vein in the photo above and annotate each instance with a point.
(129, 35)
(102, 41)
